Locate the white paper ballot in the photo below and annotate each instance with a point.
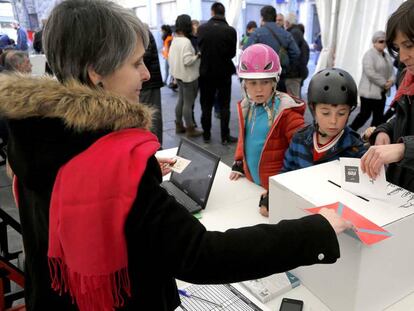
(355, 181)
(180, 164)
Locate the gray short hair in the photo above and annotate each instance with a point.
(90, 33)
(13, 59)
(378, 35)
(291, 18)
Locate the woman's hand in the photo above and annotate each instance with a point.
(165, 165)
(382, 139)
(378, 155)
(388, 84)
(337, 222)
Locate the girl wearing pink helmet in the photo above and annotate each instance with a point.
(267, 119)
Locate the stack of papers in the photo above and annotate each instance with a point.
(265, 289)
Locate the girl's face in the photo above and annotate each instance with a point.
(259, 90)
(331, 119)
(405, 47)
(127, 80)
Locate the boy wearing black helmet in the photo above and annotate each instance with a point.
(332, 95)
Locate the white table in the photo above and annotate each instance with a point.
(234, 204)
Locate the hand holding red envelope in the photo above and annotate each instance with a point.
(366, 231)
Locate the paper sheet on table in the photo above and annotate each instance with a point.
(365, 230)
(355, 181)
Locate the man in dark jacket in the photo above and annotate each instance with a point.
(217, 42)
(151, 90)
(280, 40)
(298, 71)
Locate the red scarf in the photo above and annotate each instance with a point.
(406, 87)
(91, 199)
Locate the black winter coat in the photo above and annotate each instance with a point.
(299, 68)
(401, 130)
(217, 42)
(152, 63)
(164, 241)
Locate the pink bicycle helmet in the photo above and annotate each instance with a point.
(259, 61)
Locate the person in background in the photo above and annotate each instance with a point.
(166, 43)
(184, 65)
(82, 141)
(271, 34)
(218, 43)
(393, 142)
(194, 33)
(150, 94)
(5, 41)
(250, 27)
(267, 119)
(37, 41)
(280, 20)
(376, 80)
(332, 95)
(194, 42)
(297, 71)
(17, 61)
(317, 46)
(22, 43)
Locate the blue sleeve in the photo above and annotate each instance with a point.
(289, 160)
(361, 150)
(22, 40)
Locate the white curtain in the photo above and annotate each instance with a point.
(233, 12)
(358, 21)
(327, 19)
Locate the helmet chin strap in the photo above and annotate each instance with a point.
(322, 133)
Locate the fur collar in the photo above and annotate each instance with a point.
(81, 108)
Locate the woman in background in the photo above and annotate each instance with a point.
(394, 140)
(377, 78)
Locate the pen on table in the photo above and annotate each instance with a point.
(184, 293)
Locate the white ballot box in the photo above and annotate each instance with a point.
(366, 277)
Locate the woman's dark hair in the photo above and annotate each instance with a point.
(166, 31)
(401, 20)
(97, 34)
(184, 25)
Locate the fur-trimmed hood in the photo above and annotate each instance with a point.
(49, 123)
(80, 107)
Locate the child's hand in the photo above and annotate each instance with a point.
(264, 204)
(234, 176)
(264, 211)
(368, 132)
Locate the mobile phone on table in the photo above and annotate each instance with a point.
(291, 305)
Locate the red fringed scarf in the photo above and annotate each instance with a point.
(92, 196)
(406, 87)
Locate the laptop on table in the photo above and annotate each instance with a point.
(191, 188)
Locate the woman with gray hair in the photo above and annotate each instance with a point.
(377, 78)
(96, 223)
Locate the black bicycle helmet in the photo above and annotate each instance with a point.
(333, 86)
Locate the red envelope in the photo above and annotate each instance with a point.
(366, 231)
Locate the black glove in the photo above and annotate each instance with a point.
(264, 200)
